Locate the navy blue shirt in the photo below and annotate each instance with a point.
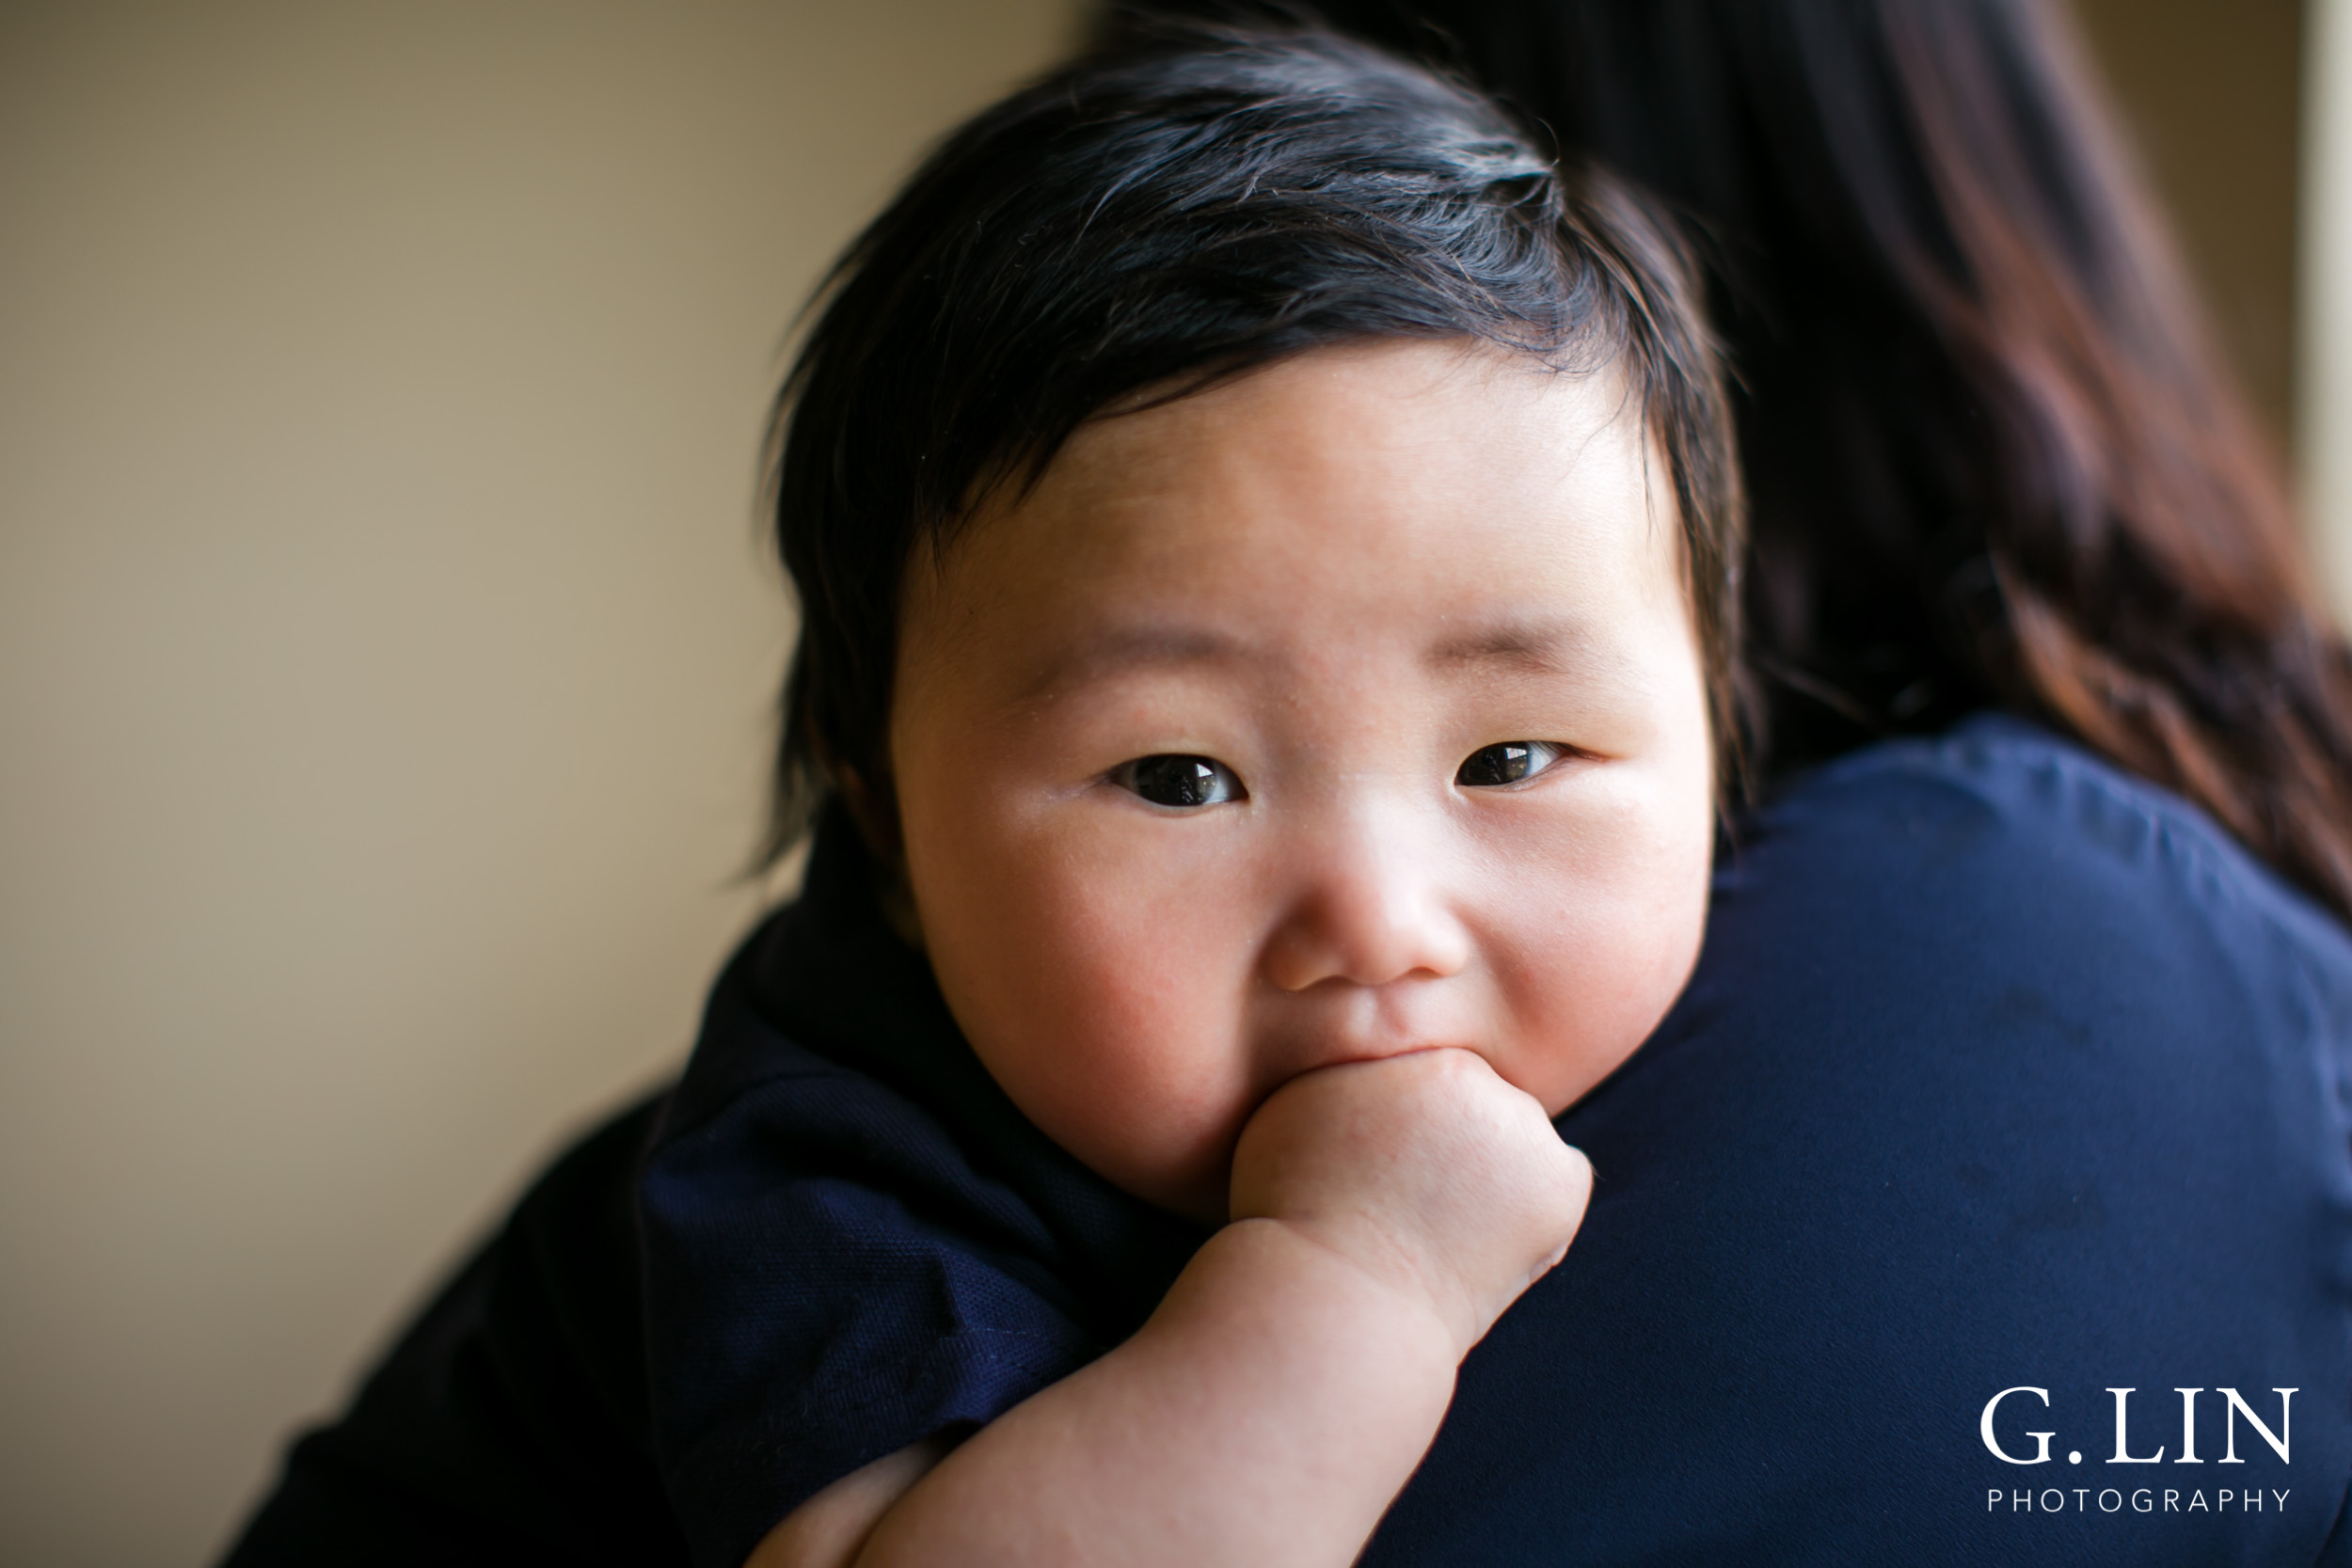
(2000, 1071)
(853, 1238)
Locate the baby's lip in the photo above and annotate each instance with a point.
(1415, 1048)
(1367, 1024)
(1356, 1055)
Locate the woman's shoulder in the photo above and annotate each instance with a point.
(2000, 1069)
(2003, 907)
(2001, 836)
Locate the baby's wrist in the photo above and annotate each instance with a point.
(1394, 1275)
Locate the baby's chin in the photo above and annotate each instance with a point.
(1179, 1163)
(1198, 1189)
(1206, 1200)
(1558, 1093)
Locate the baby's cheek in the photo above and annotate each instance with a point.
(1587, 985)
(1122, 1048)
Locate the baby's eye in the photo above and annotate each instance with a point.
(1506, 763)
(1170, 781)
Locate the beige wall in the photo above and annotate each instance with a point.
(2209, 90)
(2242, 112)
(384, 649)
(2324, 382)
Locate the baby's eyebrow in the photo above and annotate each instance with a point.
(1549, 647)
(1117, 650)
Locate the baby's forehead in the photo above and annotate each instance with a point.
(1392, 395)
(1400, 452)
(1447, 505)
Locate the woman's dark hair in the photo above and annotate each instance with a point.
(1991, 456)
(1147, 222)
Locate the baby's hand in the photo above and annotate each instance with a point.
(1426, 1170)
(1270, 1408)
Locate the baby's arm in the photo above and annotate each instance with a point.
(1385, 1215)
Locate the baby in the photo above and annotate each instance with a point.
(1266, 548)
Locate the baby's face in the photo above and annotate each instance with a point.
(1350, 709)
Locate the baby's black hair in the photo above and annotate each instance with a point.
(1160, 218)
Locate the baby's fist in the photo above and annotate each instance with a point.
(1427, 1170)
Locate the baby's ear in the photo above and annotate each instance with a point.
(874, 807)
(874, 810)
(871, 803)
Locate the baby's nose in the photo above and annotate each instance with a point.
(1369, 912)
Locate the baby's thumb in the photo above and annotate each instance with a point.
(1572, 1192)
